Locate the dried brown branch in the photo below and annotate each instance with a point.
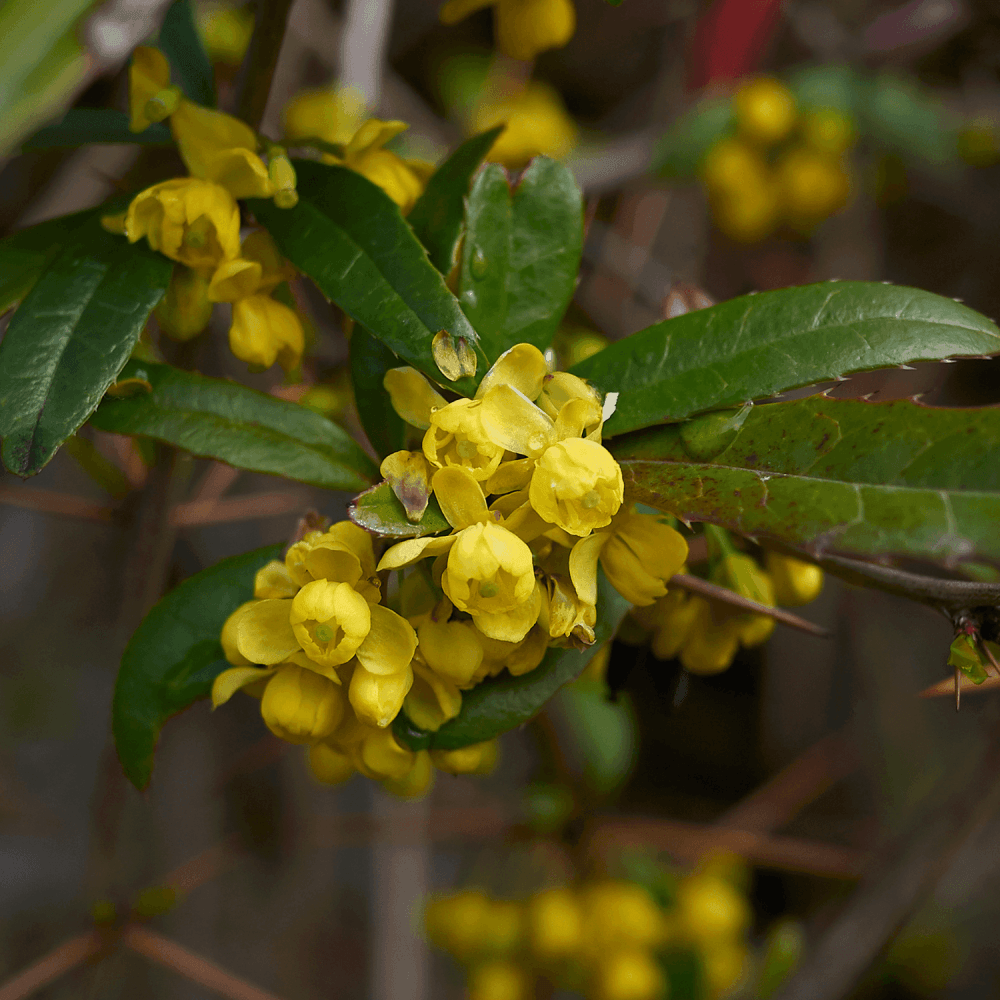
(946, 688)
(51, 502)
(56, 963)
(727, 596)
(200, 970)
(242, 508)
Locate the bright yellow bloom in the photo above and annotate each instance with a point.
(189, 220)
(220, 148)
(464, 760)
(765, 110)
(577, 486)
(711, 908)
(451, 649)
(264, 331)
(456, 437)
(151, 98)
(522, 28)
(402, 180)
(186, 309)
(432, 700)
(333, 115)
(620, 914)
(498, 980)
(455, 923)
(300, 706)
(412, 396)
(377, 698)
(330, 621)
(342, 554)
(330, 765)
(628, 974)
(417, 782)
(555, 924)
(537, 124)
(795, 581)
(225, 32)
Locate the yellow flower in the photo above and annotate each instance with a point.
(186, 309)
(451, 649)
(402, 180)
(226, 33)
(228, 637)
(456, 923)
(620, 914)
(380, 755)
(330, 621)
(342, 554)
(499, 980)
(417, 782)
(490, 576)
(456, 437)
(151, 98)
(711, 908)
(412, 396)
(333, 115)
(264, 331)
(464, 760)
(765, 110)
(536, 121)
(577, 486)
(795, 581)
(432, 700)
(220, 148)
(555, 924)
(189, 220)
(300, 706)
(628, 974)
(638, 553)
(330, 765)
(522, 28)
(377, 698)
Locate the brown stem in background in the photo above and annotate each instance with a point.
(56, 963)
(717, 593)
(254, 85)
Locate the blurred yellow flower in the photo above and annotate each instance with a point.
(522, 28)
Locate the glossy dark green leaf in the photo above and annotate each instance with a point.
(521, 254)
(759, 345)
(833, 475)
(370, 360)
(70, 338)
(505, 702)
(83, 126)
(681, 148)
(379, 511)
(350, 238)
(189, 62)
(19, 270)
(175, 655)
(439, 212)
(215, 418)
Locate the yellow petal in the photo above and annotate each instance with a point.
(377, 698)
(583, 565)
(234, 279)
(389, 645)
(228, 637)
(264, 633)
(513, 625)
(273, 581)
(451, 649)
(373, 134)
(300, 706)
(417, 782)
(264, 331)
(202, 133)
(329, 765)
(241, 172)
(412, 396)
(230, 681)
(512, 421)
(383, 757)
(414, 549)
(460, 496)
(456, 10)
(149, 73)
(522, 367)
(432, 700)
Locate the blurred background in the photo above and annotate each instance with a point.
(723, 147)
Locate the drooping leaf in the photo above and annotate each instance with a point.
(350, 238)
(758, 345)
(82, 126)
(189, 62)
(844, 476)
(521, 254)
(378, 510)
(215, 418)
(370, 360)
(502, 703)
(70, 338)
(437, 216)
(175, 655)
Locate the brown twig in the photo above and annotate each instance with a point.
(56, 963)
(215, 482)
(50, 502)
(200, 970)
(243, 508)
(717, 593)
(257, 71)
(204, 867)
(442, 824)
(946, 688)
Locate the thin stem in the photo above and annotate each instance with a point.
(257, 71)
(717, 593)
(56, 963)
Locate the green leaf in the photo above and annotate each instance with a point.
(19, 270)
(827, 86)
(682, 147)
(964, 654)
(505, 702)
(439, 213)
(189, 62)
(70, 338)
(350, 238)
(521, 254)
(81, 126)
(759, 345)
(175, 655)
(370, 360)
(215, 418)
(378, 510)
(845, 476)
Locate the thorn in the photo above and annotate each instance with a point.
(958, 689)
(907, 368)
(947, 361)
(958, 300)
(867, 396)
(989, 655)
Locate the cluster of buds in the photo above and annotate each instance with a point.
(608, 939)
(780, 166)
(195, 221)
(706, 634)
(535, 503)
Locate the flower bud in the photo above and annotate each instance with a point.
(185, 310)
(282, 176)
(328, 765)
(498, 980)
(554, 924)
(795, 581)
(300, 706)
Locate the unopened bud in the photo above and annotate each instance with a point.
(163, 105)
(454, 356)
(114, 223)
(185, 310)
(282, 175)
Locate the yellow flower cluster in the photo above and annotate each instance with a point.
(780, 167)
(707, 634)
(522, 28)
(196, 221)
(603, 939)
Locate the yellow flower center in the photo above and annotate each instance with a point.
(323, 633)
(196, 235)
(590, 500)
